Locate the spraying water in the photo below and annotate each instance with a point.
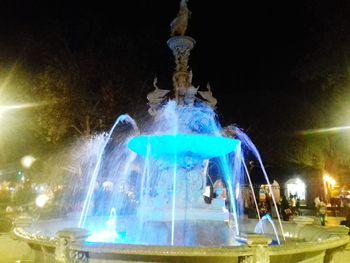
(87, 202)
(246, 141)
(157, 180)
(108, 234)
(259, 228)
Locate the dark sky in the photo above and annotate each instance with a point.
(250, 52)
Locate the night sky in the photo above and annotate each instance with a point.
(250, 53)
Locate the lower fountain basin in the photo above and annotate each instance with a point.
(304, 243)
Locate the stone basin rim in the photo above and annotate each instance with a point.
(223, 251)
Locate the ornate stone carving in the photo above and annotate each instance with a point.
(190, 95)
(208, 96)
(156, 98)
(19, 231)
(61, 249)
(179, 24)
(182, 78)
(78, 256)
(66, 237)
(262, 254)
(181, 47)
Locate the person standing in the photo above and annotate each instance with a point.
(322, 209)
(285, 208)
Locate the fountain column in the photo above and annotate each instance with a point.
(182, 77)
(181, 47)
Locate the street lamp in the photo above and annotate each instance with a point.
(7, 108)
(329, 182)
(41, 200)
(27, 161)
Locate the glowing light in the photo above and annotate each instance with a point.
(41, 200)
(329, 180)
(332, 182)
(324, 130)
(296, 187)
(27, 161)
(17, 106)
(12, 107)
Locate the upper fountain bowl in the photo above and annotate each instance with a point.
(182, 147)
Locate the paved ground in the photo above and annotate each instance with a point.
(12, 250)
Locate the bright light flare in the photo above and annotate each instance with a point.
(7, 108)
(326, 177)
(324, 130)
(41, 200)
(17, 106)
(329, 180)
(27, 161)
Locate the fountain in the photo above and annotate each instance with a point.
(153, 194)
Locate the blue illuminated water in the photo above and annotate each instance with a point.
(259, 228)
(108, 232)
(148, 188)
(246, 141)
(98, 166)
(182, 147)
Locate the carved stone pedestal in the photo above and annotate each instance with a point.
(182, 78)
(259, 243)
(66, 238)
(253, 239)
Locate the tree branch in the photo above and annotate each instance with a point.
(75, 128)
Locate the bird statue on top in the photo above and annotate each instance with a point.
(156, 98)
(179, 24)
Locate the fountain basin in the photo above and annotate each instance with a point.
(304, 243)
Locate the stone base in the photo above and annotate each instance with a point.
(253, 239)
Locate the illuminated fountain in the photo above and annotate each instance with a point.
(152, 194)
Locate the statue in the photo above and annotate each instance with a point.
(190, 95)
(208, 96)
(156, 97)
(179, 24)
